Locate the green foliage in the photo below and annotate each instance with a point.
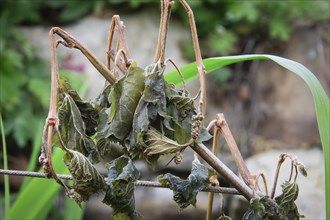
(41, 191)
(222, 25)
(185, 191)
(24, 77)
(5, 166)
(23, 92)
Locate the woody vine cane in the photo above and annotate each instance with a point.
(138, 110)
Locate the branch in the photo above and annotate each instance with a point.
(223, 170)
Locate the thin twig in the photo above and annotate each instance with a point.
(199, 61)
(71, 42)
(142, 183)
(242, 168)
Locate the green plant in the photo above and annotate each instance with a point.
(5, 166)
(225, 26)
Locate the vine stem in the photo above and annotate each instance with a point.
(223, 170)
(142, 183)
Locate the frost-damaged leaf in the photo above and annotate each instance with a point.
(158, 144)
(287, 206)
(154, 92)
(102, 101)
(88, 113)
(120, 188)
(151, 105)
(302, 170)
(103, 144)
(204, 135)
(185, 191)
(260, 209)
(86, 179)
(124, 98)
(73, 129)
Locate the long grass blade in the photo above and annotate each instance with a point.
(321, 100)
(35, 153)
(37, 197)
(72, 210)
(5, 166)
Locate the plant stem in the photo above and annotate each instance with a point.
(5, 166)
(199, 61)
(116, 25)
(71, 42)
(223, 170)
(215, 177)
(164, 22)
(242, 168)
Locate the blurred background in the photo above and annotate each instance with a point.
(268, 110)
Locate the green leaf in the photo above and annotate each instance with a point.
(321, 100)
(40, 89)
(86, 179)
(22, 124)
(185, 191)
(11, 80)
(120, 188)
(75, 10)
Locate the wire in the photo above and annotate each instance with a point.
(142, 183)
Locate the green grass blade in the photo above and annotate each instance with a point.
(5, 166)
(321, 100)
(72, 210)
(36, 199)
(35, 152)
